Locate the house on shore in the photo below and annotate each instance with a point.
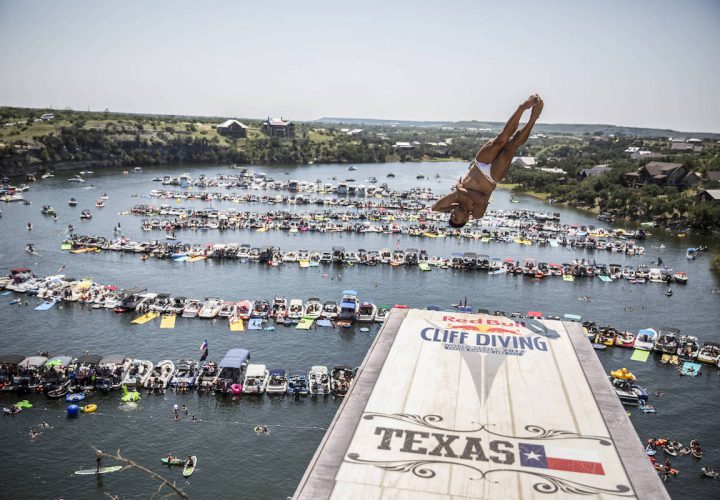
(232, 128)
(593, 172)
(708, 196)
(278, 127)
(523, 161)
(662, 174)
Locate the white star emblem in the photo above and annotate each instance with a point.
(532, 456)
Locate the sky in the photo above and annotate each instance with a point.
(633, 63)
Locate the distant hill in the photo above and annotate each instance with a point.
(549, 128)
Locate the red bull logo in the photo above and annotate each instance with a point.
(485, 325)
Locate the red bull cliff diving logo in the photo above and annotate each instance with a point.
(487, 335)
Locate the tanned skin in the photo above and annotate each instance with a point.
(473, 190)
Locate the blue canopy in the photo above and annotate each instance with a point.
(235, 358)
(349, 292)
(648, 331)
(347, 305)
(277, 372)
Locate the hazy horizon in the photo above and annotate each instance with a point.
(642, 64)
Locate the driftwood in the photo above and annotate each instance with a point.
(163, 481)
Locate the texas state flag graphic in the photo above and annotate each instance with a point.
(555, 458)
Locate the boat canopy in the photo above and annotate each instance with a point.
(347, 305)
(112, 359)
(133, 291)
(61, 361)
(277, 372)
(89, 359)
(11, 359)
(350, 292)
(235, 358)
(33, 361)
(572, 317)
(648, 331)
(255, 371)
(298, 373)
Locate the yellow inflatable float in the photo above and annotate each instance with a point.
(622, 374)
(89, 408)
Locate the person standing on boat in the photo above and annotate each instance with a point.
(490, 166)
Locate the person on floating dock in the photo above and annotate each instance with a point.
(491, 165)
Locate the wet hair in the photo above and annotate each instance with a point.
(456, 225)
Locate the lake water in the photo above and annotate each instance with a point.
(233, 461)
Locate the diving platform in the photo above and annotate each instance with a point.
(453, 405)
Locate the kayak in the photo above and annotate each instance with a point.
(174, 461)
(102, 470)
(190, 466)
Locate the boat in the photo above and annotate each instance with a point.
(340, 379)
(210, 308)
(279, 307)
(667, 340)
(709, 353)
(244, 309)
(295, 311)
(680, 278)
(186, 374)
(349, 306)
(297, 383)
(76, 178)
(261, 309)
(277, 382)
(111, 371)
(206, 376)
(629, 393)
(131, 299)
(313, 308)
(227, 310)
(690, 254)
(688, 347)
(256, 379)
(319, 381)
(72, 202)
(192, 308)
(160, 375)
(99, 203)
(625, 339)
(191, 464)
(382, 313)
(231, 371)
(367, 312)
(47, 210)
(137, 373)
(330, 310)
(645, 339)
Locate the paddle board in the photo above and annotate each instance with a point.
(424, 266)
(604, 278)
(102, 470)
(145, 318)
(189, 469)
(261, 230)
(567, 277)
(65, 246)
(195, 259)
(181, 259)
(168, 321)
(305, 324)
(237, 325)
(45, 306)
(174, 461)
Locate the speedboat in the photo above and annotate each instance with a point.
(295, 311)
(667, 340)
(278, 382)
(625, 339)
(227, 310)
(680, 278)
(256, 379)
(629, 393)
(192, 308)
(313, 308)
(138, 372)
(688, 347)
(330, 310)
(207, 375)
(297, 383)
(340, 379)
(244, 309)
(111, 371)
(210, 308)
(177, 305)
(319, 381)
(131, 299)
(261, 309)
(186, 373)
(645, 339)
(367, 312)
(72, 202)
(709, 353)
(382, 313)
(279, 307)
(160, 375)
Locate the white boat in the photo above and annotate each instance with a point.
(295, 311)
(279, 307)
(349, 306)
(382, 313)
(192, 308)
(645, 339)
(319, 381)
(112, 369)
(278, 382)
(688, 347)
(313, 308)
(330, 310)
(186, 374)
(227, 309)
(367, 312)
(256, 379)
(709, 353)
(656, 276)
(340, 379)
(76, 178)
(160, 375)
(137, 373)
(210, 308)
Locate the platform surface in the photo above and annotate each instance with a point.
(451, 405)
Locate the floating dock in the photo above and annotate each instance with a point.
(452, 405)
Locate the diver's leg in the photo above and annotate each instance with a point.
(501, 164)
(493, 147)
